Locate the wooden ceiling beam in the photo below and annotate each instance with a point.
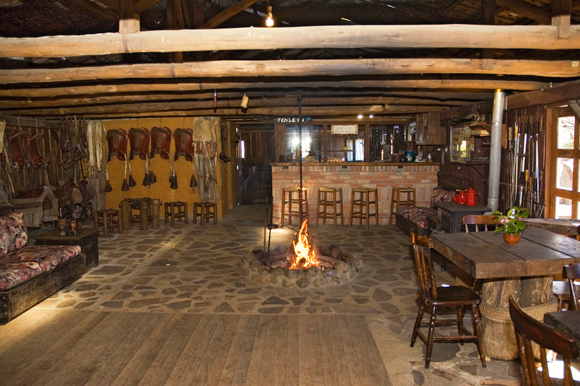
(295, 68)
(227, 13)
(528, 10)
(112, 4)
(545, 96)
(441, 84)
(278, 110)
(141, 5)
(356, 36)
(95, 8)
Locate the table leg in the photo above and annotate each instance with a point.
(126, 211)
(143, 211)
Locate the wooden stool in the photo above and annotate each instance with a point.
(108, 218)
(396, 200)
(366, 198)
(205, 211)
(334, 202)
(291, 197)
(177, 209)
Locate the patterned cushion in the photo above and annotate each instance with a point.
(26, 263)
(441, 195)
(13, 234)
(416, 215)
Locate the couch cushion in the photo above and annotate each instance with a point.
(441, 195)
(26, 263)
(13, 234)
(416, 215)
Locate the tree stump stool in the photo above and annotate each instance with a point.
(176, 210)
(205, 211)
(109, 219)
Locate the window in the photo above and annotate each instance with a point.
(564, 186)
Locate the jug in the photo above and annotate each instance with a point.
(471, 197)
(459, 197)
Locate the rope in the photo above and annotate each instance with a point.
(502, 314)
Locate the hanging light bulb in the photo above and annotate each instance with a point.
(245, 101)
(269, 18)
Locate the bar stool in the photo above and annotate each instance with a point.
(205, 211)
(177, 209)
(291, 198)
(108, 218)
(362, 199)
(330, 198)
(397, 201)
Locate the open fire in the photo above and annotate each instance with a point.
(302, 264)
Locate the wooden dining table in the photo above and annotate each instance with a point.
(524, 270)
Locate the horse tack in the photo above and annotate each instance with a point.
(117, 141)
(183, 144)
(33, 151)
(160, 142)
(16, 150)
(139, 142)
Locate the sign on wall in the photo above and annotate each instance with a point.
(344, 129)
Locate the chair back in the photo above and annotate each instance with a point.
(424, 264)
(572, 272)
(530, 330)
(479, 219)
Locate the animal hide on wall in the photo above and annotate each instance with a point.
(205, 149)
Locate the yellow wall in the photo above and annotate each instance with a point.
(159, 190)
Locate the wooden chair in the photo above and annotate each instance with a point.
(433, 298)
(477, 220)
(567, 291)
(530, 330)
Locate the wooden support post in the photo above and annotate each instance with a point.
(561, 11)
(129, 21)
(488, 8)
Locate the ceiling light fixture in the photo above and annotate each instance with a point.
(360, 116)
(245, 101)
(269, 18)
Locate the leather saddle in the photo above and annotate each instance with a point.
(160, 142)
(117, 141)
(16, 150)
(183, 144)
(33, 152)
(30, 193)
(139, 142)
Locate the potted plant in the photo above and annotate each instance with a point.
(512, 224)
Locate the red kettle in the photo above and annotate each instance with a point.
(459, 197)
(471, 197)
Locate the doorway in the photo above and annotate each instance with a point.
(256, 153)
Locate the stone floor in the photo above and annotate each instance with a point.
(195, 269)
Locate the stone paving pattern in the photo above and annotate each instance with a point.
(197, 269)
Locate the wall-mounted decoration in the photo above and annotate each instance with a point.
(160, 142)
(117, 141)
(33, 153)
(16, 152)
(183, 144)
(139, 142)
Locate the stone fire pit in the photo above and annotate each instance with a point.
(335, 268)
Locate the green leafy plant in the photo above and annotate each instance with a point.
(513, 222)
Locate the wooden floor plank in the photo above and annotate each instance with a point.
(257, 356)
(328, 354)
(355, 324)
(292, 373)
(233, 355)
(13, 332)
(339, 355)
(315, 351)
(206, 357)
(348, 344)
(148, 355)
(280, 359)
(304, 363)
(218, 366)
(374, 356)
(170, 361)
(269, 352)
(77, 365)
(127, 348)
(31, 359)
(245, 355)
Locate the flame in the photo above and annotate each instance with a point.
(305, 256)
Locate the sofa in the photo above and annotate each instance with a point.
(416, 218)
(30, 274)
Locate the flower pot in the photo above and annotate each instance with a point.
(511, 239)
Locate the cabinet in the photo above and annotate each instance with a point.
(429, 130)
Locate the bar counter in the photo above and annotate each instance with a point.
(347, 175)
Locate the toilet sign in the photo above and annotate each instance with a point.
(292, 119)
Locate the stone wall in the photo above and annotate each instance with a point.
(423, 177)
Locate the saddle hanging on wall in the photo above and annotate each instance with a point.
(117, 141)
(16, 151)
(139, 142)
(160, 142)
(33, 151)
(183, 144)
